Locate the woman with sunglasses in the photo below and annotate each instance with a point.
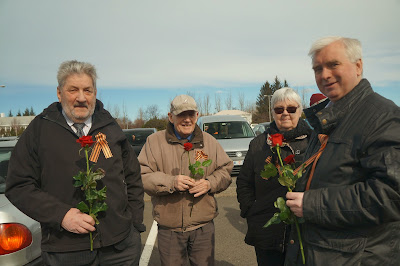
(257, 195)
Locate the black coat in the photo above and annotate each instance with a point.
(352, 209)
(40, 181)
(257, 195)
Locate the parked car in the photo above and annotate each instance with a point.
(137, 137)
(20, 236)
(234, 134)
(260, 128)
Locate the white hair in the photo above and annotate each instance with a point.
(68, 68)
(352, 46)
(286, 94)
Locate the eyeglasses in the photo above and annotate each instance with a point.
(289, 109)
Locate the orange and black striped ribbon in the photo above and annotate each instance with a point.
(313, 159)
(201, 154)
(101, 144)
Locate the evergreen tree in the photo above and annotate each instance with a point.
(10, 114)
(31, 112)
(19, 113)
(26, 113)
(263, 109)
(262, 104)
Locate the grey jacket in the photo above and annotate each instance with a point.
(352, 209)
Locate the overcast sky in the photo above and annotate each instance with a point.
(147, 52)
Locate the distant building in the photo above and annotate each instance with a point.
(243, 114)
(15, 122)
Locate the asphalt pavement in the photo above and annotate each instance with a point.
(230, 230)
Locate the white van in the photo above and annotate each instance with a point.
(234, 134)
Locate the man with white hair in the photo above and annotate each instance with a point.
(47, 157)
(349, 194)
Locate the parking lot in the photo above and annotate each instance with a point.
(230, 230)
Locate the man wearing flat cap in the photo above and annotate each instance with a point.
(184, 205)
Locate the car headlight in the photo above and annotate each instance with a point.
(14, 237)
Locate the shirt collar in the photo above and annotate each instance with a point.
(179, 137)
(87, 123)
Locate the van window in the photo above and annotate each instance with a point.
(229, 130)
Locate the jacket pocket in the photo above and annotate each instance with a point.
(338, 247)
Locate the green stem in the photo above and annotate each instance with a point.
(295, 218)
(279, 156)
(301, 243)
(188, 157)
(91, 241)
(87, 160)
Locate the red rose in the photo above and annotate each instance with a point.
(276, 139)
(188, 146)
(85, 140)
(289, 159)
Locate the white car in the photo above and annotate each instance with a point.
(20, 236)
(234, 134)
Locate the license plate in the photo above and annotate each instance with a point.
(238, 162)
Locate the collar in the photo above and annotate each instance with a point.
(196, 137)
(324, 118)
(179, 136)
(87, 123)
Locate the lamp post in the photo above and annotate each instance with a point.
(269, 106)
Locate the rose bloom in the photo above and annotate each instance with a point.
(188, 146)
(276, 139)
(85, 140)
(289, 159)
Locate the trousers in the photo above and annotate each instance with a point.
(182, 248)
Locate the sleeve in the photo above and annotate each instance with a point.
(155, 182)
(220, 178)
(245, 184)
(23, 182)
(375, 198)
(134, 185)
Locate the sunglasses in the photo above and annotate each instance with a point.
(289, 109)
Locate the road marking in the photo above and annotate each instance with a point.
(148, 247)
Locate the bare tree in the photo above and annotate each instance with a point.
(151, 112)
(125, 120)
(200, 106)
(217, 100)
(115, 111)
(140, 113)
(206, 104)
(228, 101)
(241, 101)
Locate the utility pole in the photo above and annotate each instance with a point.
(269, 106)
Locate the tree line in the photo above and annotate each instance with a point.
(151, 116)
(27, 112)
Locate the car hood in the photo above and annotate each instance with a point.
(4, 201)
(10, 214)
(239, 144)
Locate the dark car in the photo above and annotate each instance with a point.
(20, 236)
(137, 137)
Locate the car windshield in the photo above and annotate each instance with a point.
(229, 130)
(138, 137)
(5, 154)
